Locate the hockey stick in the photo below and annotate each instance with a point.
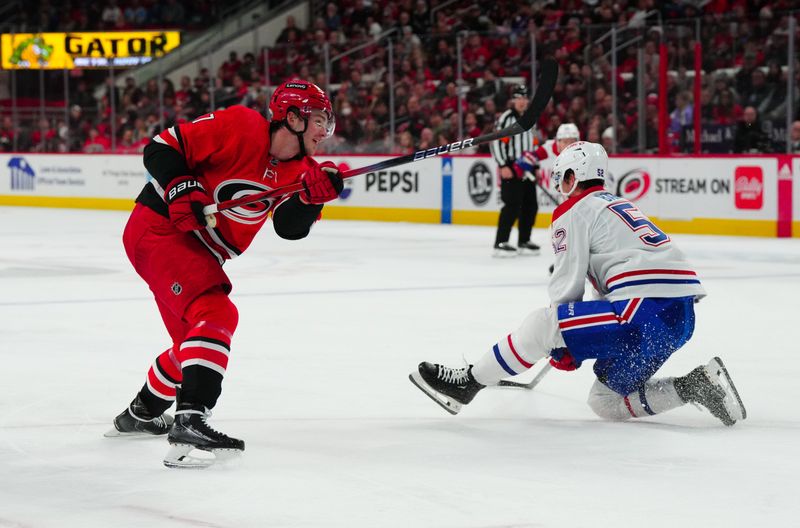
(531, 384)
(538, 185)
(547, 83)
(552, 198)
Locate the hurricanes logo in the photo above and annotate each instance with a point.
(244, 214)
(633, 185)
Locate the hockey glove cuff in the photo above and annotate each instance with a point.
(561, 359)
(528, 162)
(321, 184)
(186, 199)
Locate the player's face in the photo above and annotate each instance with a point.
(567, 184)
(316, 132)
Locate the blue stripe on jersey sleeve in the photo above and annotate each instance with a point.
(653, 281)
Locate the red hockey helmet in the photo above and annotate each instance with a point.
(303, 97)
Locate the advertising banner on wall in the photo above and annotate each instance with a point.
(691, 188)
(475, 184)
(694, 190)
(96, 49)
(476, 188)
(414, 185)
(722, 195)
(71, 176)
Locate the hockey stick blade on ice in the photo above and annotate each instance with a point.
(531, 384)
(544, 91)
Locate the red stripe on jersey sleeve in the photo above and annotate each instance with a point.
(650, 272)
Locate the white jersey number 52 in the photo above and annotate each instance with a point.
(637, 221)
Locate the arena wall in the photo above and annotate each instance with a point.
(727, 195)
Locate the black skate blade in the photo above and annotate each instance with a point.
(187, 456)
(449, 405)
(730, 388)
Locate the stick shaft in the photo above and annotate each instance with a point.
(531, 384)
(550, 197)
(547, 84)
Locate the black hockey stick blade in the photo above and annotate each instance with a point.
(509, 383)
(544, 91)
(531, 384)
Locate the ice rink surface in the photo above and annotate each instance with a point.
(317, 386)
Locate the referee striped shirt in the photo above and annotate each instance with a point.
(507, 150)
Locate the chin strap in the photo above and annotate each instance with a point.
(299, 135)
(567, 196)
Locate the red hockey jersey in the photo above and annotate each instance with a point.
(228, 152)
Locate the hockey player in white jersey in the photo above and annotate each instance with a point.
(540, 161)
(644, 310)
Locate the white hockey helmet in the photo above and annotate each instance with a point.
(568, 130)
(588, 161)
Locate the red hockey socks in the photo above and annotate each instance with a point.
(203, 354)
(195, 366)
(163, 379)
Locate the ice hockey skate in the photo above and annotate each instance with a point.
(194, 444)
(505, 250)
(451, 388)
(136, 420)
(529, 249)
(712, 387)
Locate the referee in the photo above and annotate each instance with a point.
(517, 189)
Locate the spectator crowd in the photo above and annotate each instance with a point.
(743, 101)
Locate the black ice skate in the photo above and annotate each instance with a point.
(136, 420)
(451, 388)
(191, 431)
(504, 249)
(712, 387)
(529, 249)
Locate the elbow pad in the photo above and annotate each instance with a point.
(292, 220)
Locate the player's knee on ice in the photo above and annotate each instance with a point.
(606, 403)
(655, 396)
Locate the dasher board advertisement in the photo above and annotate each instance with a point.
(99, 176)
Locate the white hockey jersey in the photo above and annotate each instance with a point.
(546, 154)
(624, 255)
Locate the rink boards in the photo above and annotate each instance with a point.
(729, 195)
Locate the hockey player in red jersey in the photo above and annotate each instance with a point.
(220, 156)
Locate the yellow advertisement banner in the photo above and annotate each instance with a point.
(56, 51)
